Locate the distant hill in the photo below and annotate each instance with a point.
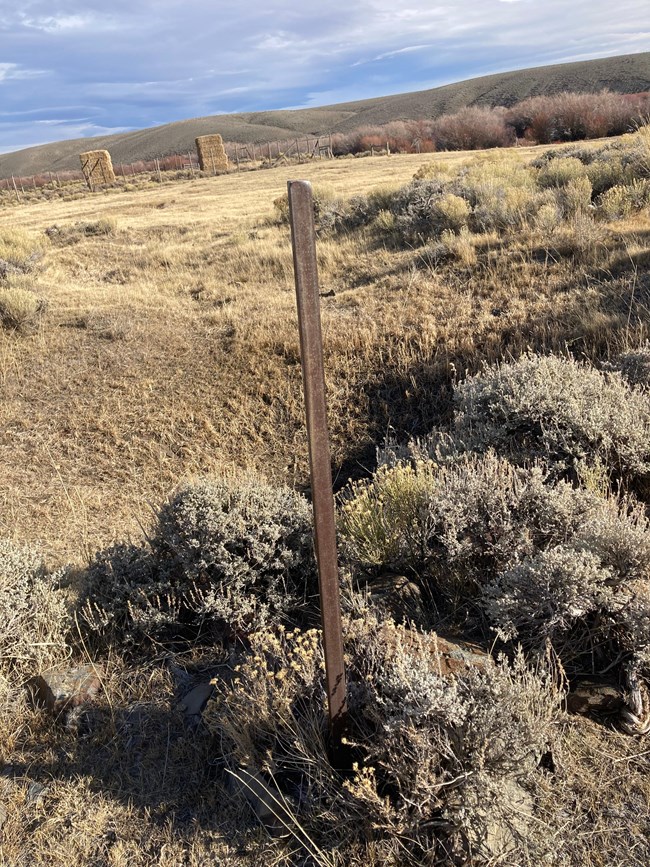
(628, 73)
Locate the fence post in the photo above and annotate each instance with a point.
(303, 239)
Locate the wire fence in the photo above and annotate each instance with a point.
(240, 156)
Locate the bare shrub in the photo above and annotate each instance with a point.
(471, 128)
(33, 614)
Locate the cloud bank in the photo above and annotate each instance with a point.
(71, 69)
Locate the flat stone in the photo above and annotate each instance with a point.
(196, 699)
(63, 688)
(452, 657)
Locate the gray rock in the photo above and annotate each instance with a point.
(61, 689)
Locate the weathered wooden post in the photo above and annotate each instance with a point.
(303, 239)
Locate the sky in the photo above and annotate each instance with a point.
(70, 69)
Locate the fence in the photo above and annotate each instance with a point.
(241, 156)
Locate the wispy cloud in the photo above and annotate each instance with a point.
(14, 72)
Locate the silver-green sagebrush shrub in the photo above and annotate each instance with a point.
(541, 559)
(634, 366)
(226, 557)
(435, 758)
(555, 409)
(126, 600)
(34, 618)
(241, 551)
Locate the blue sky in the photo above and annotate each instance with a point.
(70, 69)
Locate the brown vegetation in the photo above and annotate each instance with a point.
(167, 349)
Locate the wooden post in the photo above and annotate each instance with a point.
(303, 239)
(158, 170)
(387, 148)
(15, 188)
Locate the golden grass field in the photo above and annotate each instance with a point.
(169, 347)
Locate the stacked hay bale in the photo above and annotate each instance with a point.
(97, 168)
(212, 156)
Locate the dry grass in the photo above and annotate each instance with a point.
(170, 346)
(170, 350)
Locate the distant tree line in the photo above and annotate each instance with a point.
(538, 120)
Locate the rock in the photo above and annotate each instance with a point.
(267, 802)
(593, 696)
(452, 657)
(35, 792)
(64, 688)
(193, 704)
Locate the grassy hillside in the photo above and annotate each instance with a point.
(625, 74)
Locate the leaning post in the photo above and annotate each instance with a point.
(303, 239)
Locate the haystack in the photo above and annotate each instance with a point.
(97, 167)
(212, 156)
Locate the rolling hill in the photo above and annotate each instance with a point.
(625, 73)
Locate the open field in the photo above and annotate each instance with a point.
(161, 346)
(169, 346)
